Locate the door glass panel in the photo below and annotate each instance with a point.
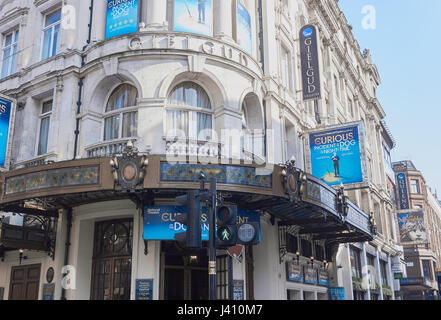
(112, 262)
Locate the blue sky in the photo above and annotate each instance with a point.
(406, 47)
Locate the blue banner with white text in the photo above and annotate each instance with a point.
(122, 17)
(336, 155)
(160, 221)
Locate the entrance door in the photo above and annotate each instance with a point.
(112, 260)
(25, 282)
(185, 273)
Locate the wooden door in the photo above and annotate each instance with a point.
(112, 260)
(25, 282)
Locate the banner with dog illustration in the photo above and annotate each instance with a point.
(336, 154)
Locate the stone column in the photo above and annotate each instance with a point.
(156, 15)
(223, 16)
(390, 276)
(378, 274)
(365, 274)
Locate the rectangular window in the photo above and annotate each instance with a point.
(50, 34)
(351, 108)
(189, 124)
(384, 273)
(9, 53)
(177, 123)
(45, 119)
(111, 127)
(337, 87)
(285, 68)
(427, 270)
(204, 126)
(222, 278)
(414, 186)
(371, 271)
(130, 124)
(355, 262)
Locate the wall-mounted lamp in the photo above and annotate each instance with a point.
(114, 165)
(298, 256)
(144, 165)
(20, 256)
(325, 265)
(312, 261)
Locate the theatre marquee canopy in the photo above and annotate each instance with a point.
(292, 196)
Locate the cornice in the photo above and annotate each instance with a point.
(14, 14)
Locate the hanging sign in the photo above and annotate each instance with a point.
(194, 16)
(402, 191)
(244, 37)
(294, 271)
(122, 17)
(6, 118)
(160, 221)
(310, 63)
(337, 154)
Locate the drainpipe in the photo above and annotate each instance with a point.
(262, 60)
(77, 129)
(66, 250)
(81, 82)
(262, 51)
(90, 31)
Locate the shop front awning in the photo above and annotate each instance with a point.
(415, 284)
(288, 194)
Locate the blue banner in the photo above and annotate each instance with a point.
(402, 191)
(5, 119)
(194, 16)
(122, 17)
(337, 293)
(244, 37)
(336, 155)
(294, 271)
(160, 221)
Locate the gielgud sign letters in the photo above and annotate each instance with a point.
(310, 63)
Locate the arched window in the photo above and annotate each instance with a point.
(121, 118)
(189, 112)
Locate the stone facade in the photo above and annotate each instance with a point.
(264, 83)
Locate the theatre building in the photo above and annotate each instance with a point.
(419, 220)
(118, 106)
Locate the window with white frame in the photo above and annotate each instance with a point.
(189, 112)
(121, 117)
(414, 186)
(351, 107)
(337, 86)
(285, 68)
(45, 121)
(9, 53)
(51, 30)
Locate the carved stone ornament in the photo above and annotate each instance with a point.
(291, 180)
(129, 170)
